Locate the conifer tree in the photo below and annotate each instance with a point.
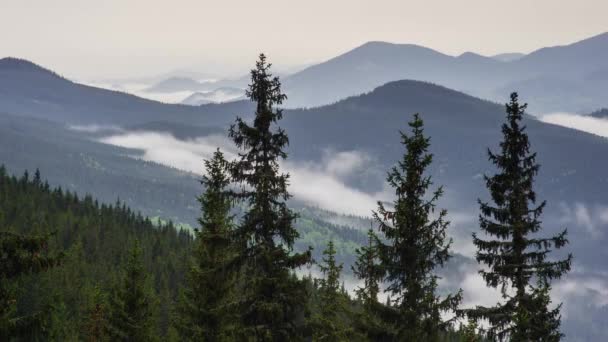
(366, 268)
(273, 297)
(416, 244)
(95, 323)
(328, 321)
(133, 315)
(513, 251)
(469, 333)
(21, 255)
(370, 320)
(206, 308)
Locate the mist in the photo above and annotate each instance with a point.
(317, 184)
(583, 123)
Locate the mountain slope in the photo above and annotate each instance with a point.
(573, 77)
(581, 57)
(28, 89)
(376, 63)
(462, 128)
(508, 57)
(224, 94)
(96, 239)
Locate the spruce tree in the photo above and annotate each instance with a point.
(370, 320)
(133, 306)
(21, 255)
(513, 252)
(95, 323)
(416, 244)
(366, 268)
(206, 308)
(273, 297)
(328, 321)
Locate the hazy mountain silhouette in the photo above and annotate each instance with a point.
(462, 128)
(29, 89)
(508, 57)
(224, 94)
(376, 63)
(546, 75)
(176, 84)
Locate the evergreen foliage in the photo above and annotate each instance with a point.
(416, 243)
(329, 320)
(94, 237)
(95, 324)
(369, 319)
(133, 304)
(21, 255)
(514, 252)
(207, 307)
(273, 297)
(367, 269)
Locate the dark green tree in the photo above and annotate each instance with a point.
(329, 319)
(366, 268)
(416, 244)
(273, 297)
(93, 236)
(21, 255)
(133, 305)
(468, 332)
(369, 320)
(95, 323)
(207, 305)
(513, 252)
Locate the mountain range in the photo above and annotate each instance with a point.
(38, 107)
(572, 77)
(223, 94)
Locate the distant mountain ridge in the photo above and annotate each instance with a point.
(29, 89)
(601, 113)
(571, 77)
(223, 94)
(508, 57)
(13, 63)
(177, 84)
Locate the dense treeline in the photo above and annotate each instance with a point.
(96, 240)
(117, 276)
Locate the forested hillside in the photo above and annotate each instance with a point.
(96, 239)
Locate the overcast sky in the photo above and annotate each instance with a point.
(116, 38)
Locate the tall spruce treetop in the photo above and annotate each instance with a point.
(206, 307)
(514, 254)
(416, 243)
(273, 296)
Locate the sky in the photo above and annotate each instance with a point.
(136, 38)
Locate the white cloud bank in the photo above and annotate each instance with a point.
(592, 218)
(95, 128)
(319, 184)
(583, 123)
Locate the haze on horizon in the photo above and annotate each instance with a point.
(117, 38)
